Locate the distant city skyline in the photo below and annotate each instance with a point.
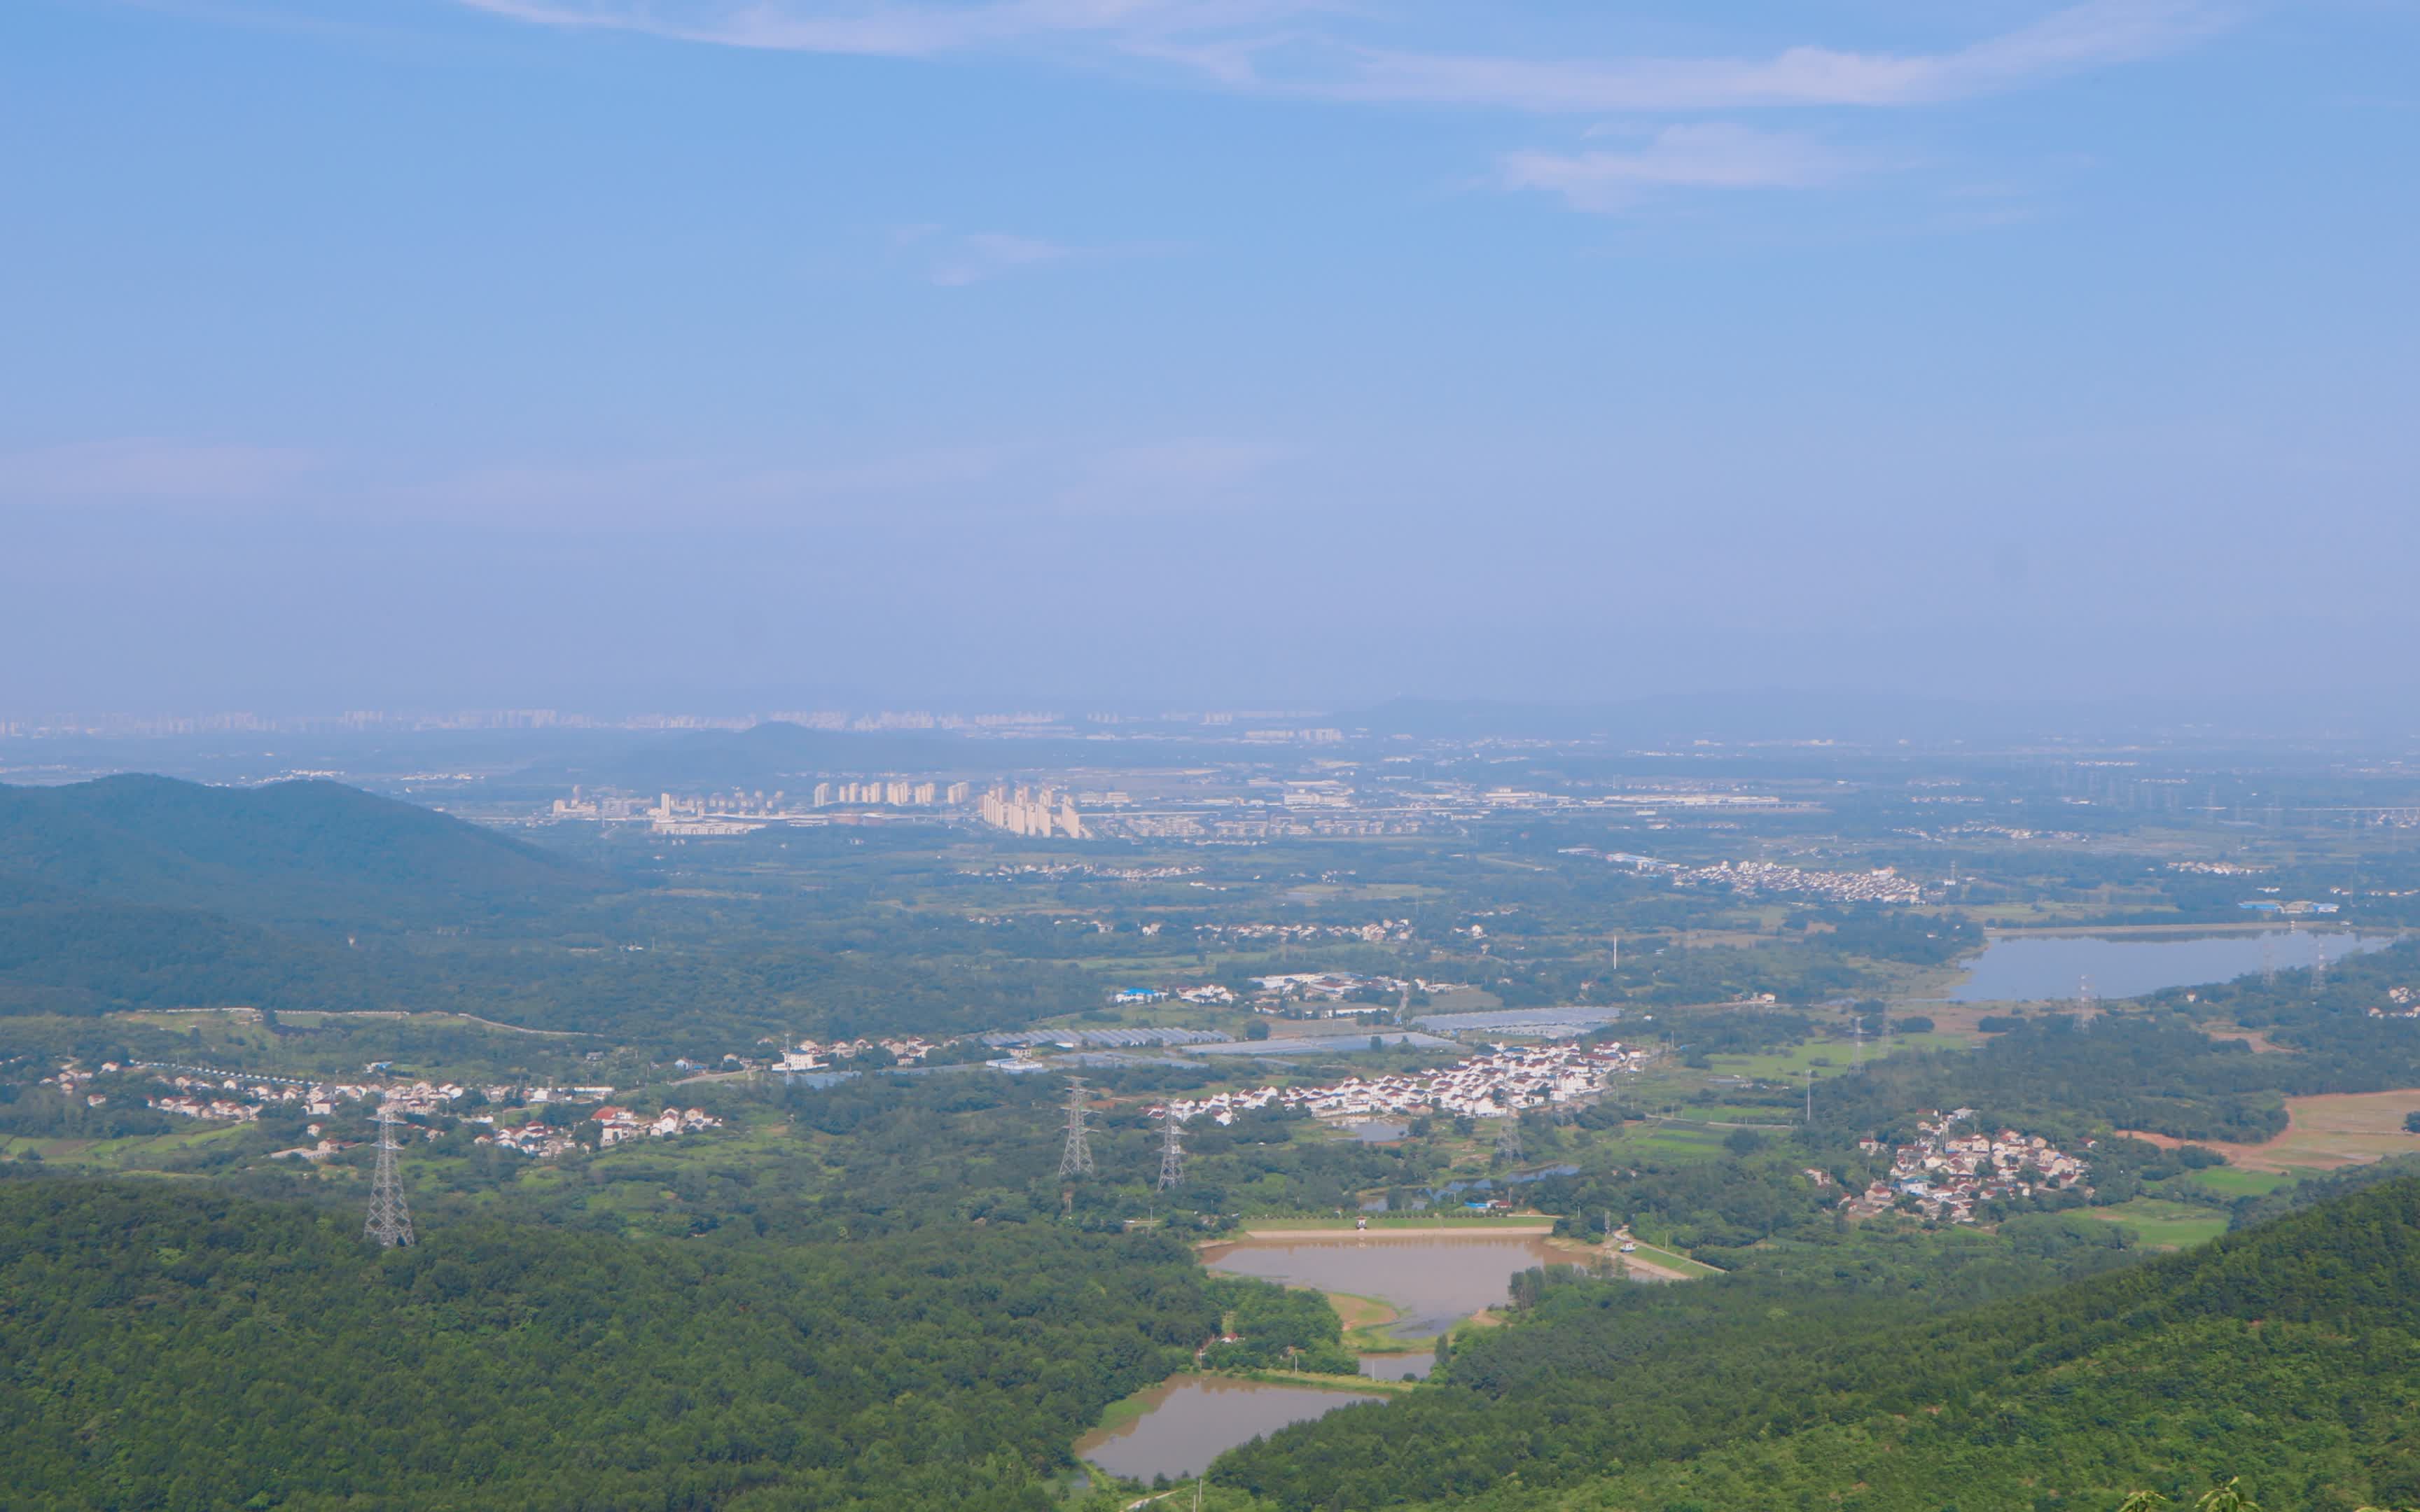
(617, 354)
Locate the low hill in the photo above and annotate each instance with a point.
(187, 1349)
(288, 854)
(2282, 1353)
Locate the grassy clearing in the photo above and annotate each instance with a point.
(2165, 1225)
(1827, 1056)
(1358, 1384)
(1739, 1113)
(1668, 1141)
(114, 1154)
(2229, 1181)
(1369, 1324)
(1673, 1260)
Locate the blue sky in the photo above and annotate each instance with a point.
(686, 352)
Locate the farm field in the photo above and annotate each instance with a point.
(2329, 1131)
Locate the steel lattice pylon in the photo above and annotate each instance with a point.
(389, 1219)
(1077, 1159)
(1171, 1154)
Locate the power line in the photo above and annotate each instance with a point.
(389, 1219)
(1076, 1158)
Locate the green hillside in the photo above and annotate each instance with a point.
(287, 853)
(177, 1350)
(2285, 1353)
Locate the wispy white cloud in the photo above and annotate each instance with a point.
(1349, 52)
(2092, 34)
(915, 30)
(1711, 155)
(1323, 48)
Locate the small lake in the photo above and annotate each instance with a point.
(1435, 1281)
(2051, 967)
(1189, 1420)
(1399, 1366)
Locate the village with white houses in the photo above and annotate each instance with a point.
(1880, 885)
(1946, 1174)
(1499, 1083)
(2402, 1003)
(208, 1094)
(819, 1054)
(1295, 994)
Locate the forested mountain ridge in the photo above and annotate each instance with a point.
(303, 852)
(135, 891)
(2284, 1353)
(180, 1350)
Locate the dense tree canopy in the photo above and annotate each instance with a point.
(2282, 1353)
(179, 1349)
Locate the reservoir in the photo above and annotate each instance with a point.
(2051, 968)
(1432, 1281)
(1188, 1420)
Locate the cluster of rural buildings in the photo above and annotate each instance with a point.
(817, 1055)
(1504, 1080)
(2401, 1004)
(1881, 884)
(615, 1124)
(1325, 992)
(204, 1093)
(1948, 1173)
(542, 1140)
(1377, 931)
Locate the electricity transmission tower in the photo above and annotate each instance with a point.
(1171, 1154)
(1508, 1136)
(389, 1219)
(2268, 961)
(1077, 1159)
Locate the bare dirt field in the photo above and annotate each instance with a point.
(2323, 1132)
(2260, 1042)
